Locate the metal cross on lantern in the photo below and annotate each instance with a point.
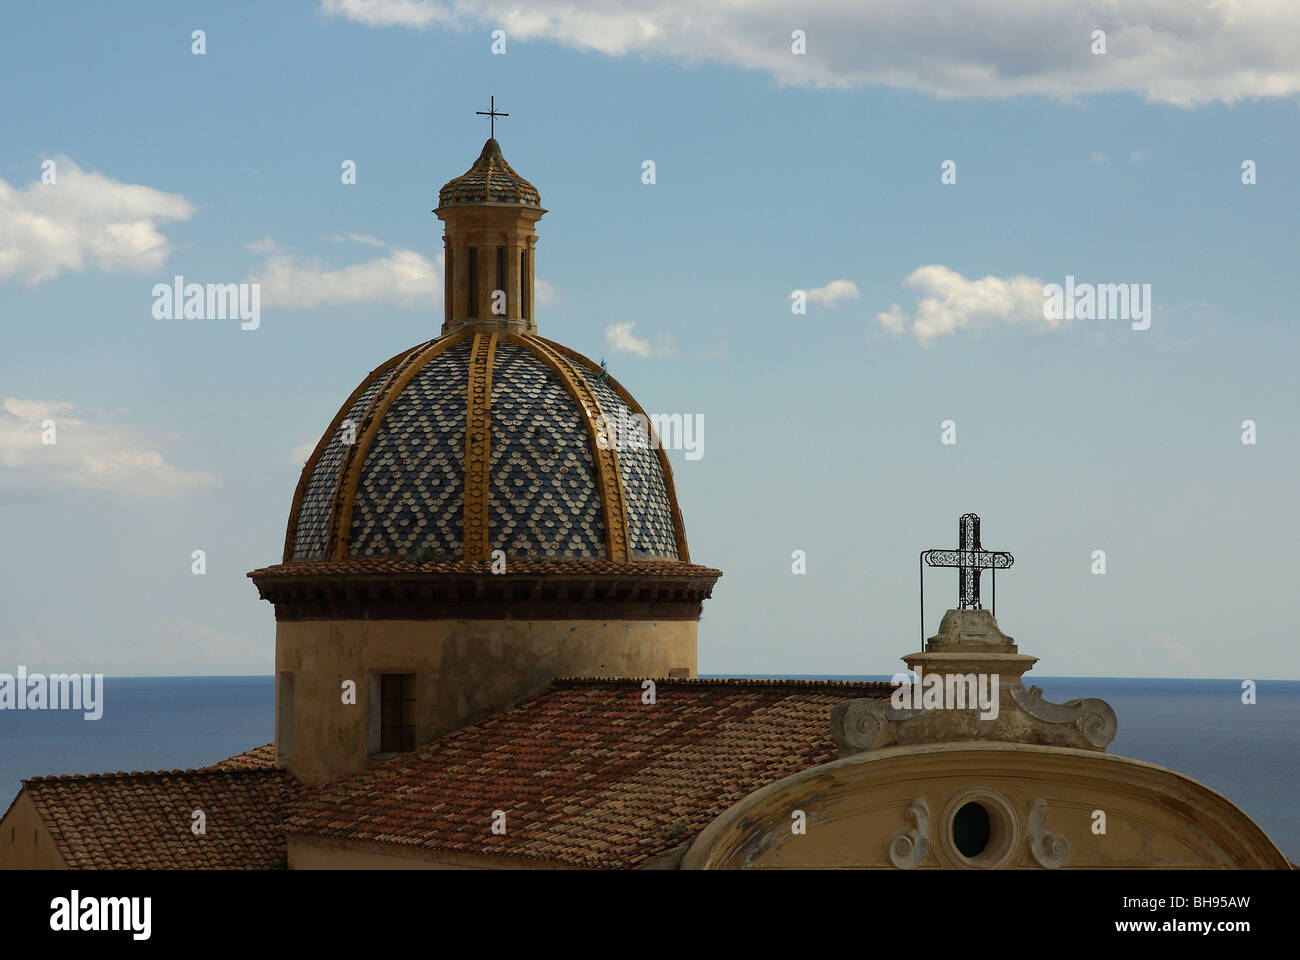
(491, 111)
(971, 560)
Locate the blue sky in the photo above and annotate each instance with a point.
(774, 172)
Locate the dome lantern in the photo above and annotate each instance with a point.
(489, 243)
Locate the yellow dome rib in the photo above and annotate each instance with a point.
(355, 459)
(304, 480)
(679, 527)
(608, 477)
(475, 542)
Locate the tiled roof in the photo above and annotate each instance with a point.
(490, 180)
(558, 566)
(586, 773)
(564, 463)
(259, 758)
(142, 821)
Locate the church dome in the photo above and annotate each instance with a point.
(489, 180)
(484, 440)
(487, 511)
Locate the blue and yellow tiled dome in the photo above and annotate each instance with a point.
(483, 440)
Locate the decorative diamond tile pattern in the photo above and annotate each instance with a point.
(410, 499)
(544, 499)
(650, 530)
(318, 499)
(543, 496)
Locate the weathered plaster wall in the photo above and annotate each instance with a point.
(464, 670)
(318, 854)
(25, 843)
(857, 811)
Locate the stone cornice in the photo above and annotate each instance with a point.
(395, 589)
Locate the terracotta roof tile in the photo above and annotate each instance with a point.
(489, 180)
(587, 774)
(141, 821)
(259, 758)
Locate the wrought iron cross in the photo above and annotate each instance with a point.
(971, 560)
(491, 111)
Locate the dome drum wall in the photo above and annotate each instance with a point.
(464, 670)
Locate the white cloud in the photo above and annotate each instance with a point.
(1165, 642)
(83, 219)
(619, 338)
(388, 13)
(546, 293)
(1183, 52)
(1099, 158)
(833, 292)
(174, 645)
(402, 278)
(299, 454)
(168, 646)
(91, 451)
(1137, 158)
(357, 238)
(950, 303)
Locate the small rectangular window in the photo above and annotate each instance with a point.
(523, 283)
(284, 724)
(396, 712)
(501, 280)
(472, 293)
(447, 306)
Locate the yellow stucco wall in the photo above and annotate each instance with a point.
(311, 853)
(464, 670)
(25, 843)
(857, 809)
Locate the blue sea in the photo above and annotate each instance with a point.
(1250, 754)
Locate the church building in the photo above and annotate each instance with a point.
(486, 618)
